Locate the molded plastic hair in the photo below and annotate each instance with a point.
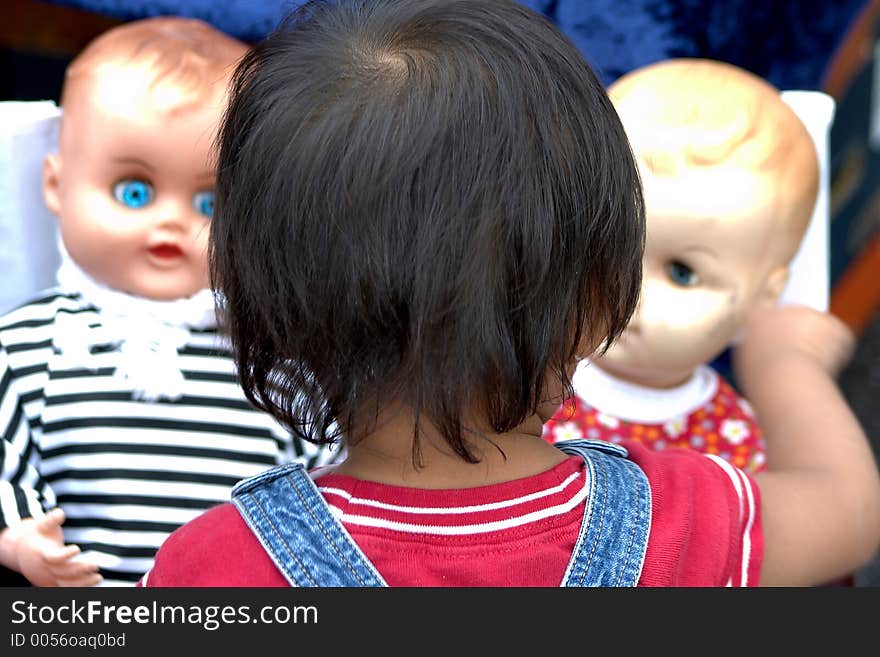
(424, 202)
(185, 54)
(705, 113)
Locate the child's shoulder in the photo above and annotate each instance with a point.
(691, 474)
(215, 549)
(706, 525)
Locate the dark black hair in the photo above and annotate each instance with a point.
(425, 201)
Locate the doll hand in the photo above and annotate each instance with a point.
(774, 333)
(44, 559)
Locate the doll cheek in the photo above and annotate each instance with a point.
(724, 330)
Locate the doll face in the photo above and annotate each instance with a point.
(706, 264)
(133, 185)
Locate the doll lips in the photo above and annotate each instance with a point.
(166, 251)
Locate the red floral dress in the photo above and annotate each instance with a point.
(724, 426)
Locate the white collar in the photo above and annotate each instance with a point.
(196, 311)
(148, 333)
(634, 403)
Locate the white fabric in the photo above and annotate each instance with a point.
(634, 403)
(28, 259)
(147, 332)
(809, 275)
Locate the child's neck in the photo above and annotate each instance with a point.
(385, 456)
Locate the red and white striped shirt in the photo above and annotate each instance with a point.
(705, 530)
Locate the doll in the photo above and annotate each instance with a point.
(121, 413)
(730, 175)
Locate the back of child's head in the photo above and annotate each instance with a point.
(429, 203)
(186, 60)
(696, 113)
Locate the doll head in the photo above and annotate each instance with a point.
(132, 183)
(730, 177)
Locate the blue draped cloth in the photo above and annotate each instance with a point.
(787, 42)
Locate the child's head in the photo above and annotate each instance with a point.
(133, 180)
(730, 177)
(425, 203)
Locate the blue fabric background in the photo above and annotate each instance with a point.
(788, 42)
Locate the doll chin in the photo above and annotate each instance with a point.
(647, 376)
(160, 288)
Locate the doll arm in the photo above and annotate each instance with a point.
(35, 548)
(31, 542)
(820, 495)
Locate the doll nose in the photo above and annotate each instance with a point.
(638, 317)
(637, 313)
(174, 224)
(635, 326)
(177, 218)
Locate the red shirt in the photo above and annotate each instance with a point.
(705, 530)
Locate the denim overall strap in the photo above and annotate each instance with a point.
(288, 514)
(610, 549)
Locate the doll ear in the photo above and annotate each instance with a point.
(775, 284)
(51, 181)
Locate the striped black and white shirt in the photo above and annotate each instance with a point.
(126, 472)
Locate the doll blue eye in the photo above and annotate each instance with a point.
(680, 274)
(134, 193)
(204, 202)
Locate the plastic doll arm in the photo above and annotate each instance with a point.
(820, 495)
(31, 543)
(35, 548)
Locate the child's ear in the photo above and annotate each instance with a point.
(51, 182)
(775, 284)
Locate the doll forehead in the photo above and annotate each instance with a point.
(726, 192)
(722, 238)
(122, 106)
(95, 134)
(114, 88)
(727, 212)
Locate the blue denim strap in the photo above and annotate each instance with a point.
(310, 547)
(290, 517)
(610, 549)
